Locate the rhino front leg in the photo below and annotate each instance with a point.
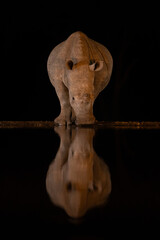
(65, 115)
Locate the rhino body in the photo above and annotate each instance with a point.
(79, 68)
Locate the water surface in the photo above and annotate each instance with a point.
(80, 183)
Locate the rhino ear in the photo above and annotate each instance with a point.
(96, 66)
(69, 64)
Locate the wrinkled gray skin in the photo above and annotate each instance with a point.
(79, 69)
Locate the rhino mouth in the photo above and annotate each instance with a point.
(85, 120)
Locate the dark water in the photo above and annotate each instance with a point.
(79, 183)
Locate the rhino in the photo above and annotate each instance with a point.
(77, 179)
(79, 68)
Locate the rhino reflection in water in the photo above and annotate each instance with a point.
(77, 179)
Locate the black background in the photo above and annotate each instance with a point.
(129, 31)
(29, 33)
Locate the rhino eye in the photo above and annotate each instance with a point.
(91, 61)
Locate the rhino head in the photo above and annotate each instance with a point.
(80, 82)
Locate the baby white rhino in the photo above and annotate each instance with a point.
(77, 179)
(79, 68)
